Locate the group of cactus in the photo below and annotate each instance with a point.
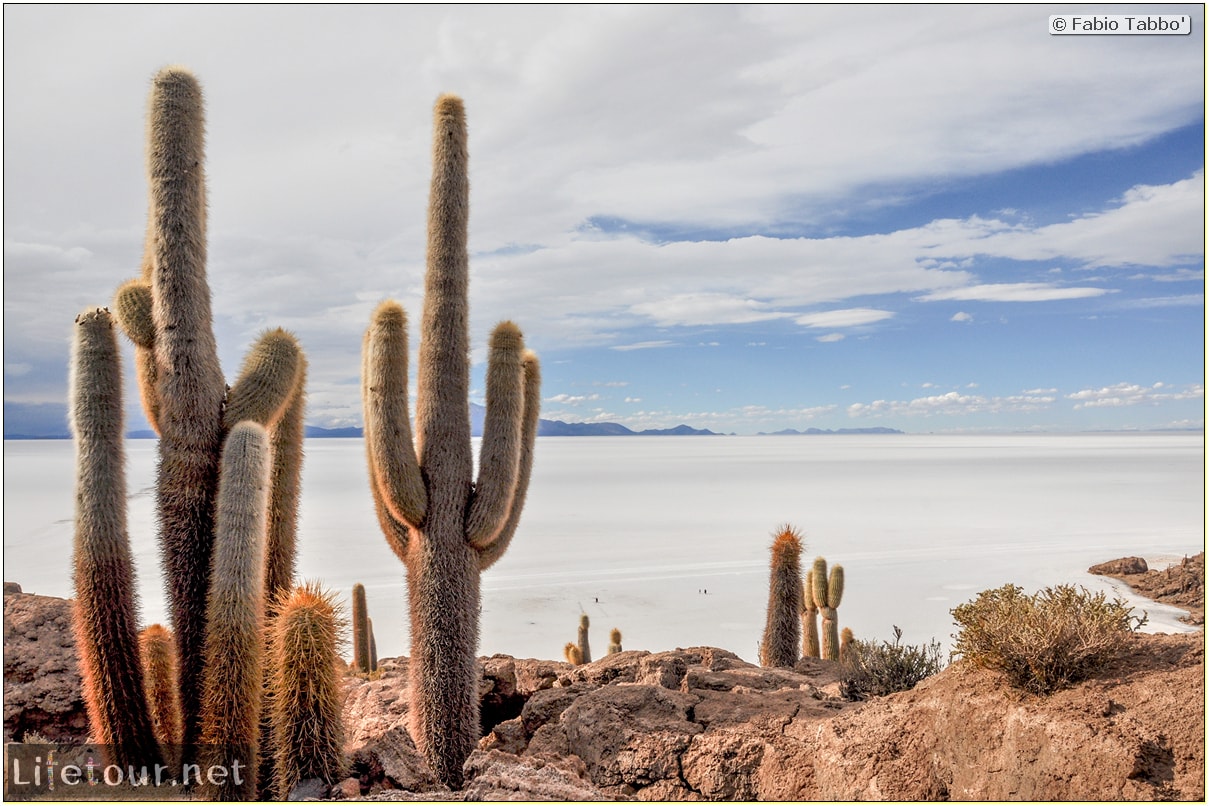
(580, 652)
(246, 673)
(791, 630)
(365, 647)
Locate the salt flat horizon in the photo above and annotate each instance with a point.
(667, 538)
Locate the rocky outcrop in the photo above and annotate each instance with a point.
(702, 724)
(1181, 584)
(42, 690)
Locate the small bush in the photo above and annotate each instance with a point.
(1045, 641)
(876, 669)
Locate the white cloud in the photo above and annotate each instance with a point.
(570, 400)
(830, 338)
(849, 317)
(952, 404)
(1013, 292)
(643, 345)
(961, 316)
(1132, 394)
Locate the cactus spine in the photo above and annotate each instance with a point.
(159, 675)
(446, 526)
(235, 618)
(614, 641)
(782, 628)
(585, 651)
(308, 728)
(166, 314)
(828, 590)
(810, 619)
(361, 660)
(105, 616)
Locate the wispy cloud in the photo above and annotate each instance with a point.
(1131, 394)
(848, 317)
(1013, 292)
(643, 345)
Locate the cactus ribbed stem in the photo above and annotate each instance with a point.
(782, 628)
(360, 630)
(159, 673)
(106, 609)
(614, 641)
(585, 650)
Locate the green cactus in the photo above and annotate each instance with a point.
(585, 651)
(782, 628)
(361, 660)
(234, 647)
(105, 614)
(159, 675)
(614, 641)
(308, 727)
(810, 619)
(846, 639)
(446, 526)
(373, 647)
(166, 314)
(828, 590)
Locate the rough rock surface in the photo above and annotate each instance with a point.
(41, 677)
(1181, 584)
(702, 724)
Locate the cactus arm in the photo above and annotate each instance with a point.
(818, 576)
(443, 382)
(234, 643)
(267, 381)
(500, 453)
(159, 673)
(835, 586)
(490, 553)
(281, 544)
(106, 608)
(398, 484)
(132, 308)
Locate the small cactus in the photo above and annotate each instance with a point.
(782, 629)
(373, 647)
(159, 675)
(828, 591)
(585, 651)
(308, 728)
(614, 641)
(846, 645)
(361, 653)
(810, 619)
(573, 654)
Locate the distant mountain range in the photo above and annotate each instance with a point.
(810, 432)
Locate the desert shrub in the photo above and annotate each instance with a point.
(1045, 641)
(872, 668)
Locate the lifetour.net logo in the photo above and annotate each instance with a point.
(85, 772)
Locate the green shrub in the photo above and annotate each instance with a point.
(1045, 641)
(876, 669)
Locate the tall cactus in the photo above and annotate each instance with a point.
(827, 591)
(166, 313)
(446, 526)
(810, 619)
(105, 613)
(782, 629)
(361, 660)
(308, 728)
(585, 650)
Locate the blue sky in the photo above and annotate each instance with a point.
(742, 218)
